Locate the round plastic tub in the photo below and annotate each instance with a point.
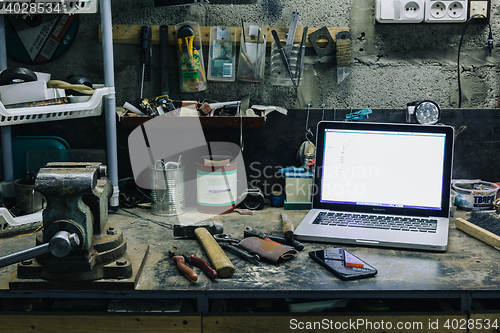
(474, 194)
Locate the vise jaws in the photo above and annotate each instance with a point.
(76, 242)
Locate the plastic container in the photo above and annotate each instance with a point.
(474, 194)
(278, 74)
(222, 54)
(252, 58)
(92, 107)
(189, 51)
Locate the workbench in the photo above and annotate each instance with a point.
(468, 271)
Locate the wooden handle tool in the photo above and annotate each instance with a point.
(288, 228)
(218, 258)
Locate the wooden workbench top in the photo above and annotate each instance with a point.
(467, 265)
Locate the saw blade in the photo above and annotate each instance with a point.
(343, 47)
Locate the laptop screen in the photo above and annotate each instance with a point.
(389, 168)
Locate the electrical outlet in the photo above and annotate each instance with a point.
(445, 11)
(479, 7)
(399, 11)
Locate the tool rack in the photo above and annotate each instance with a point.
(93, 107)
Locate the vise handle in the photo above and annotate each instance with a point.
(60, 245)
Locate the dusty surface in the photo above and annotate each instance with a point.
(467, 265)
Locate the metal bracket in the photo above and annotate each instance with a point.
(320, 34)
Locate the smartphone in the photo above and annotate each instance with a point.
(343, 264)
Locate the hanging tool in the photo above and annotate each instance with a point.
(145, 41)
(185, 39)
(176, 251)
(302, 54)
(283, 55)
(319, 35)
(307, 149)
(164, 83)
(290, 37)
(192, 72)
(343, 47)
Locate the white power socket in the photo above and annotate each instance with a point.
(399, 11)
(445, 11)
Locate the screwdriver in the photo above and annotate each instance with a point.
(145, 54)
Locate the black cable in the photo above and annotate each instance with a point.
(490, 47)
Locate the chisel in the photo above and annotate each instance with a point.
(288, 228)
(145, 42)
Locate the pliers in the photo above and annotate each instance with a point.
(231, 244)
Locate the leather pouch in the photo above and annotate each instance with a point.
(267, 250)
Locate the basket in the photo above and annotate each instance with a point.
(90, 108)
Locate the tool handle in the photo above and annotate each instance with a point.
(205, 267)
(218, 258)
(287, 227)
(276, 39)
(185, 270)
(145, 44)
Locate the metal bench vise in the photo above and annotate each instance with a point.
(76, 243)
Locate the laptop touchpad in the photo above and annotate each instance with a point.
(370, 234)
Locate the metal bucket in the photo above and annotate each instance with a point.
(27, 199)
(167, 188)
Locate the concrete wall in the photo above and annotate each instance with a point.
(391, 64)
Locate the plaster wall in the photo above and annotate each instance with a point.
(392, 64)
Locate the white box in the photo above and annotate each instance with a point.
(298, 186)
(28, 92)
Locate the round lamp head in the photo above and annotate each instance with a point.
(427, 113)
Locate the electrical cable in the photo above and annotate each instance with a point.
(160, 223)
(490, 47)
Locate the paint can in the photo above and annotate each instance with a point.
(167, 188)
(216, 184)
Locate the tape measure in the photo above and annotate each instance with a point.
(39, 39)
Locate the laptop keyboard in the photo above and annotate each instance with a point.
(377, 222)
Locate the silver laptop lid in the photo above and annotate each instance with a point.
(399, 169)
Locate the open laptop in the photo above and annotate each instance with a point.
(381, 185)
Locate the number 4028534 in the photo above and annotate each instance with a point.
(476, 324)
(31, 8)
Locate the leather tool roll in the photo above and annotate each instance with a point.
(267, 250)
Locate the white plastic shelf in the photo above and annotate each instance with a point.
(18, 116)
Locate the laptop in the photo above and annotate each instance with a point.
(381, 184)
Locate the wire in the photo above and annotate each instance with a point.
(490, 47)
(160, 223)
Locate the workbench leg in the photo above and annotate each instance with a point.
(202, 302)
(465, 302)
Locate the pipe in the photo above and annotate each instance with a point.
(8, 167)
(110, 100)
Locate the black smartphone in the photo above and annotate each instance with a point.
(343, 264)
